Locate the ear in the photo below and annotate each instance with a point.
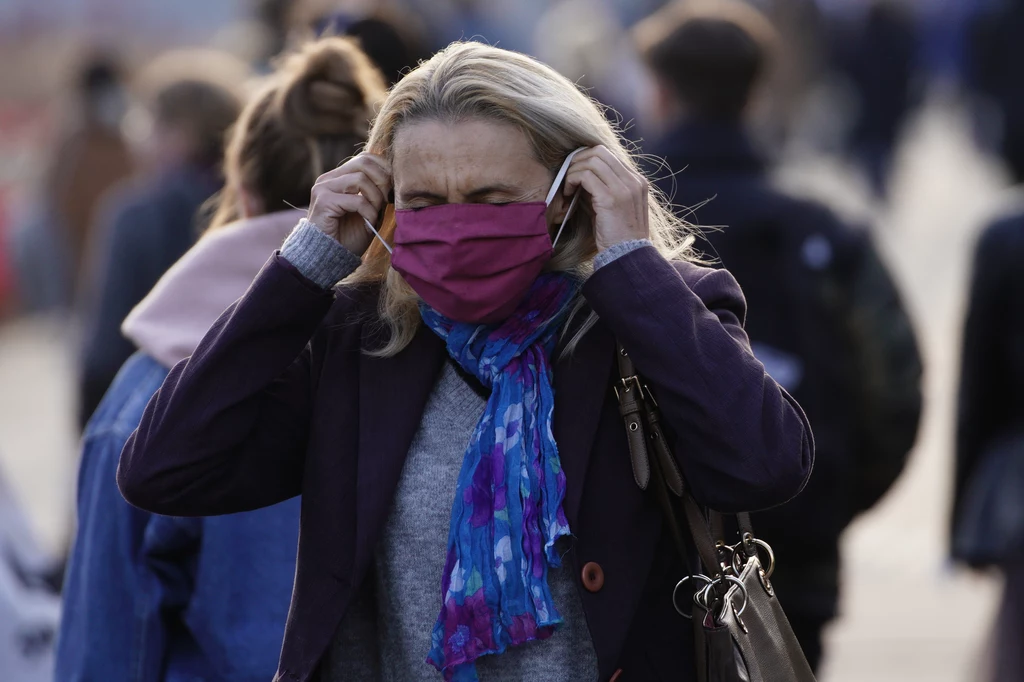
(557, 210)
(250, 205)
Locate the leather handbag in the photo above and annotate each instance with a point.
(741, 633)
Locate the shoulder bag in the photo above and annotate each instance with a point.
(740, 631)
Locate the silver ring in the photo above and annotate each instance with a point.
(728, 579)
(680, 584)
(771, 556)
(768, 571)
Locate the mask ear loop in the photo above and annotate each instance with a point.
(376, 234)
(554, 190)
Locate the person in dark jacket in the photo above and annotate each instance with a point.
(880, 57)
(824, 315)
(187, 102)
(448, 413)
(152, 598)
(988, 511)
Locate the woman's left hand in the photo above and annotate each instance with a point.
(618, 195)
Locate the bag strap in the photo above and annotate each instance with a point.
(630, 395)
(632, 391)
(645, 435)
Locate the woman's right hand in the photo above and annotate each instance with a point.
(343, 197)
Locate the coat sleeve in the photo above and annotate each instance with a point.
(227, 431)
(742, 442)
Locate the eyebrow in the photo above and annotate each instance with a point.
(498, 188)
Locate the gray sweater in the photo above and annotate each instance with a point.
(386, 635)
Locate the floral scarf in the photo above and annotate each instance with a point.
(507, 512)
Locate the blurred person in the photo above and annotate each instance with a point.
(274, 19)
(188, 99)
(29, 604)
(406, 404)
(880, 58)
(597, 54)
(150, 597)
(8, 276)
(92, 158)
(988, 509)
(825, 317)
(800, 59)
(395, 47)
(89, 158)
(391, 40)
(995, 55)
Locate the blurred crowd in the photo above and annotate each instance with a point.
(167, 180)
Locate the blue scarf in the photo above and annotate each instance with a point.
(507, 512)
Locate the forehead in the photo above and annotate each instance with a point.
(459, 156)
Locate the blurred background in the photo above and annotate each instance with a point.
(900, 115)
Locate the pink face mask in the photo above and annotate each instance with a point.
(475, 262)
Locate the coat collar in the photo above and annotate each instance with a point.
(394, 393)
(581, 386)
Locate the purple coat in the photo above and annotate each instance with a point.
(279, 400)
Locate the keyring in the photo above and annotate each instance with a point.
(738, 565)
(728, 579)
(771, 556)
(680, 584)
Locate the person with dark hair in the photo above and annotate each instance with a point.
(393, 46)
(705, 70)
(187, 101)
(825, 317)
(93, 159)
(150, 597)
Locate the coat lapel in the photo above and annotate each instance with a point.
(393, 396)
(581, 386)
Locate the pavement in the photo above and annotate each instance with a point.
(907, 615)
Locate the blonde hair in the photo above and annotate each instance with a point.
(311, 114)
(469, 80)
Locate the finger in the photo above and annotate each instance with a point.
(375, 167)
(338, 205)
(587, 179)
(623, 171)
(355, 183)
(615, 184)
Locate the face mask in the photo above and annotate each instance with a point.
(475, 262)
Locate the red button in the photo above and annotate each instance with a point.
(593, 577)
(616, 676)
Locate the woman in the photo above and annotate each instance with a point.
(188, 101)
(345, 395)
(152, 598)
